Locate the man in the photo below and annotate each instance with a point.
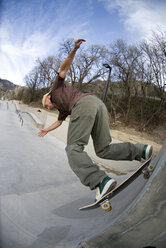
(88, 117)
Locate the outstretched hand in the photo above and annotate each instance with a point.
(78, 43)
(42, 133)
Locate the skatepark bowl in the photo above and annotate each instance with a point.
(40, 197)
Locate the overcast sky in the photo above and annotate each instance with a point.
(30, 29)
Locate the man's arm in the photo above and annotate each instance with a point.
(68, 61)
(55, 125)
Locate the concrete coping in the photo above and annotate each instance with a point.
(38, 123)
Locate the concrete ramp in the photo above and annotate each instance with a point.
(40, 196)
(145, 223)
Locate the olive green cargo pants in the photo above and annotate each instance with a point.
(90, 117)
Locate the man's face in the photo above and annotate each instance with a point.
(48, 103)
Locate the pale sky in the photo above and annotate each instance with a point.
(31, 29)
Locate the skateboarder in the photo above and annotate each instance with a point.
(88, 117)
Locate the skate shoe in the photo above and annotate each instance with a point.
(147, 151)
(104, 187)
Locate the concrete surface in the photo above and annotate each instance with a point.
(40, 195)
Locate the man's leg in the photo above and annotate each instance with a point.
(118, 151)
(102, 140)
(80, 127)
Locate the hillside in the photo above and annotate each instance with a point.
(6, 85)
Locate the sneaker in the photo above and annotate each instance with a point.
(104, 187)
(147, 151)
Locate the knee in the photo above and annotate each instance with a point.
(100, 154)
(71, 149)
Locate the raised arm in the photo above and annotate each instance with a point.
(68, 61)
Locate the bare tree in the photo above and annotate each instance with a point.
(32, 81)
(48, 69)
(18, 92)
(124, 58)
(155, 53)
(154, 73)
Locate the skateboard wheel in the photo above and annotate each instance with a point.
(150, 168)
(106, 206)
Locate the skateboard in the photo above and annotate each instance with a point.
(146, 168)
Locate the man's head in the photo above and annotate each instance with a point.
(46, 101)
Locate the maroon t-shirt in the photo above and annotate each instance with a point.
(64, 97)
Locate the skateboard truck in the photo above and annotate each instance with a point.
(148, 171)
(106, 206)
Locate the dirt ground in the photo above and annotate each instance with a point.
(126, 134)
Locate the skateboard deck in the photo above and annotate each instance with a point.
(146, 168)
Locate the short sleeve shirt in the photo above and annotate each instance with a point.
(64, 97)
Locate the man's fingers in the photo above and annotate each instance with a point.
(82, 40)
(41, 133)
(79, 41)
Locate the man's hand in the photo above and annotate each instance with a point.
(78, 43)
(42, 133)
(55, 125)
